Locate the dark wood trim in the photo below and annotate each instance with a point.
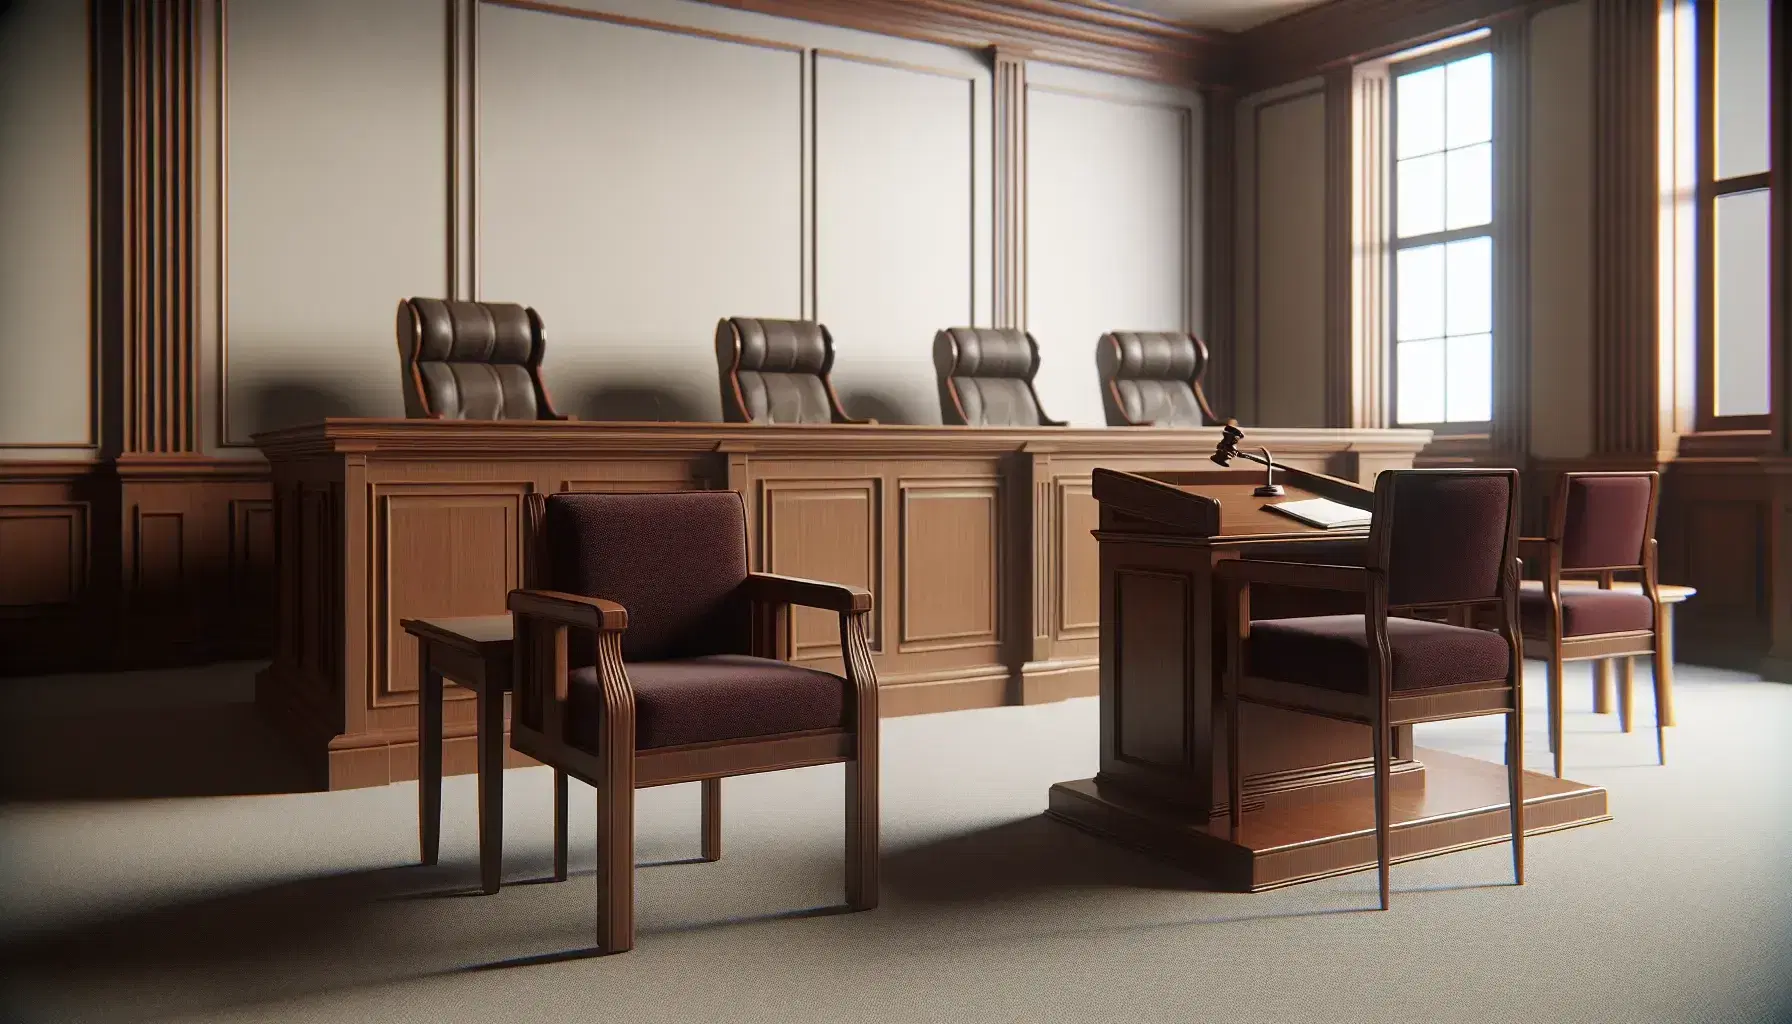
(1345, 32)
(1010, 131)
(1511, 46)
(1780, 150)
(1340, 340)
(1627, 375)
(161, 226)
(1219, 226)
(1093, 35)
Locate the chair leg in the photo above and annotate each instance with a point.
(1515, 788)
(559, 825)
(1554, 687)
(712, 819)
(1664, 701)
(1234, 769)
(429, 759)
(1602, 687)
(616, 865)
(1383, 806)
(1626, 683)
(491, 787)
(862, 850)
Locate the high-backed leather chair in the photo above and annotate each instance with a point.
(1600, 525)
(1443, 541)
(472, 361)
(986, 378)
(649, 657)
(1153, 379)
(776, 371)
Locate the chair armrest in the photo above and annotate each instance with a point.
(1352, 579)
(592, 613)
(771, 588)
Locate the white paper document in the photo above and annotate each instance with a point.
(1322, 512)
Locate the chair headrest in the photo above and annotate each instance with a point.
(451, 331)
(985, 352)
(1150, 355)
(774, 346)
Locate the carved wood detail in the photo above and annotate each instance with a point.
(1627, 413)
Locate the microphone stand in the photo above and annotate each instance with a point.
(1270, 488)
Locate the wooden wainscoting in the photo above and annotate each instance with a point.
(975, 543)
(134, 563)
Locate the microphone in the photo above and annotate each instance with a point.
(1227, 450)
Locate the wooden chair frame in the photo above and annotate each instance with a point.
(1383, 708)
(543, 619)
(1556, 650)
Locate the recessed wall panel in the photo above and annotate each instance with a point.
(635, 185)
(895, 197)
(1289, 299)
(45, 155)
(1109, 225)
(337, 201)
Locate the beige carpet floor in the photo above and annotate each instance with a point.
(124, 903)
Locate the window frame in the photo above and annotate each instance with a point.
(1708, 187)
(1461, 430)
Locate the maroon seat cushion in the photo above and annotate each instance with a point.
(1586, 611)
(719, 697)
(1331, 651)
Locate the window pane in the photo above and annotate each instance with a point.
(1742, 90)
(1419, 113)
(1419, 183)
(1420, 371)
(1744, 375)
(1470, 104)
(1470, 383)
(1470, 186)
(1419, 288)
(1468, 295)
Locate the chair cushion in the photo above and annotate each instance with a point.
(1586, 611)
(719, 697)
(1151, 377)
(1331, 651)
(675, 560)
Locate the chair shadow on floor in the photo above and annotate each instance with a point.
(1027, 855)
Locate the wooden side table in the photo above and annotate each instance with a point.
(474, 652)
(1671, 595)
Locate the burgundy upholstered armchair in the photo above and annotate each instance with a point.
(1153, 379)
(646, 656)
(472, 361)
(1441, 540)
(986, 378)
(777, 371)
(1600, 525)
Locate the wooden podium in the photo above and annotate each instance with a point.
(1308, 780)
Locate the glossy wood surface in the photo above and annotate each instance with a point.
(975, 543)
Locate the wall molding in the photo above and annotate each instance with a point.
(1219, 233)
(1627, 376)
(1010, 164)
(1091, 35)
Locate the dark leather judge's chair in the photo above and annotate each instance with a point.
(776, 371)
(1153, 379)
(648, 658)
(1442, 540)
(472, 361)
(986, 378)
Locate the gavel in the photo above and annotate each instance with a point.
(1227, 450)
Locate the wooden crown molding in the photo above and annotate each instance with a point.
(1092, 35)
(1344, 32)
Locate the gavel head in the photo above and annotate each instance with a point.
(1224, 452)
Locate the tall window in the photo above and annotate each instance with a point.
(1443, 241)
(1735, 357)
